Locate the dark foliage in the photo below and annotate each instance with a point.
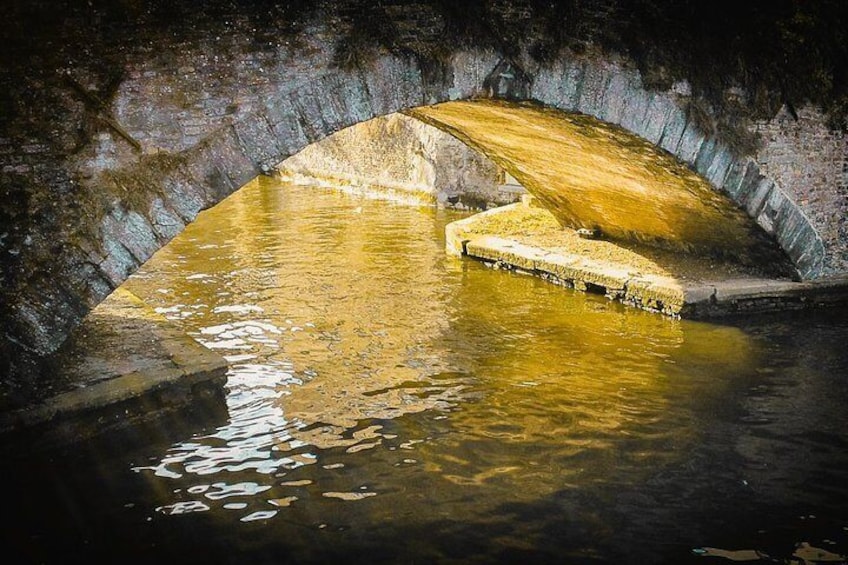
(780, 52)
(777, 52)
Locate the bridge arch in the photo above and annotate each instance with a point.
(144, 197)
(281, 126)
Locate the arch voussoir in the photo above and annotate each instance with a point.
(221, 164)
(258, 141)
(205, 131)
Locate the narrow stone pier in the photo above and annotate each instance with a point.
(527, 237)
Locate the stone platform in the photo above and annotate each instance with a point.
(125, 364)
(526, 237)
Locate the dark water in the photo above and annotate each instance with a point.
(389, 404)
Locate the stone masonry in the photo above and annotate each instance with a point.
(121, 121)
(409, 158)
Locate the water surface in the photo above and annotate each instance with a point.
(387, 403)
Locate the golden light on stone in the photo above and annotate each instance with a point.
(596, 176)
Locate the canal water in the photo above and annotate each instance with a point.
(387, 403)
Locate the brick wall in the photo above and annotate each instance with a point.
(811, 162)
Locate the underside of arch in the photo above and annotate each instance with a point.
(597, 176)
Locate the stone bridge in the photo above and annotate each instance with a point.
(121, 121)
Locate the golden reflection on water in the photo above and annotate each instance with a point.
(578, 377)
(343, 319)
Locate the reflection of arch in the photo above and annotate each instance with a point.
(167, 190)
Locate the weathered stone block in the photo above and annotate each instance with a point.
(656, 115)
(706, 155)
(307, 109)
(779, 208)
(165, 221)
(757, 198)
(258, 142)
(468, 70)
(285, 125)
(221, 165)
(408, 83)
(592, 88)
(393, 84)
(349, 96)
(635, 108)
(565, 268)
(119, 262)
(749, 182)
(35, 319)
(771, 208)
(90, 284)
(690, 143)
(801, 238)
(808, 252)
(615, 99)
(547, 85)
(574, 70)
(718, 170)
(133, 231)
(674, 128)
(185, 197)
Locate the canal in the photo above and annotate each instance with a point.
(387, 403)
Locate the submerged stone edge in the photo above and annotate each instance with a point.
(189, 369)
(665, 295)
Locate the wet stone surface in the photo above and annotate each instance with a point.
(389, 403)
(123, 353)
(527, 237)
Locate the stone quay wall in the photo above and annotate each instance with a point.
(405, 156)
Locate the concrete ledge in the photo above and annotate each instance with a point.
(763, 295)
(125, 363)
(674, 291)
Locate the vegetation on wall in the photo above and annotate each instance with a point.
(742, 59)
